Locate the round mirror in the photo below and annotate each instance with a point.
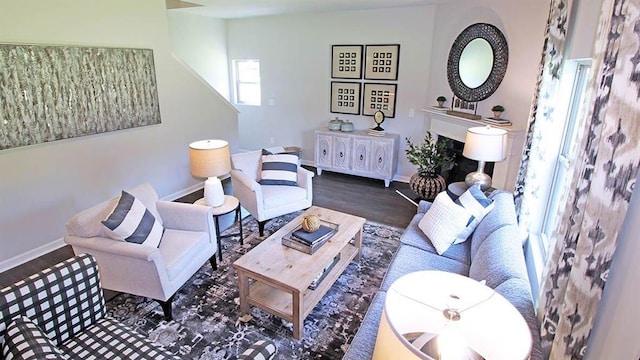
(477, 62)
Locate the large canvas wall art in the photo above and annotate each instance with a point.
(51, 93)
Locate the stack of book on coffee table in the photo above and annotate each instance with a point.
(309, 242)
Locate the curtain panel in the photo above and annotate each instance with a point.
(543, 138)
(600, 190)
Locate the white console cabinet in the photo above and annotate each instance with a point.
(357, 153)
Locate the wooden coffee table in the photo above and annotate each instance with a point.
(276, 278)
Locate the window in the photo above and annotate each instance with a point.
(246, 76)
(572, 95)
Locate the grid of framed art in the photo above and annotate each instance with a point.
(364, 62)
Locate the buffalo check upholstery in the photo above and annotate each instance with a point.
(65, 302)
(59, 313)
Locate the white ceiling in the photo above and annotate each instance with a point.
(228, 9)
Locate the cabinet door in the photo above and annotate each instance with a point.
(341, 152)
(361, 155)
(382, 157)
(323, 150)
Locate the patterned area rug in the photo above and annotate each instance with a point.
(205, 321)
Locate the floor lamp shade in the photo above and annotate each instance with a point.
(483, 143)
(210, 159)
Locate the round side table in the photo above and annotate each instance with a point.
(231, 203)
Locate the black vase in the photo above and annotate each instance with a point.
(427, 186)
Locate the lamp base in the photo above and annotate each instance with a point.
(213, 193)
(478, 177)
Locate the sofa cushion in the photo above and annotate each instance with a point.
(179, 248)
(409, 259)
(518, 293)
(499, 258)
(279, 169)
(364, 341)
(131, 221)
(110, 339)
(503, 214)
(445, 223)
(25, 340)
(413, 236)
(248, 163)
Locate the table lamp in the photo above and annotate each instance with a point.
(210, 159)
(441, 315)
(483, 143)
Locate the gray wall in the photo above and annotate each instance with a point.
(295, 52)
(42, 186)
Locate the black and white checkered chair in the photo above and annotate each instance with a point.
(59, 313)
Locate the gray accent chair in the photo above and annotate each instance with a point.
(266, 202)
(188, 241)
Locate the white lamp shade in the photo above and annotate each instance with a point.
(209, 158)
(485, 143)
(487, 324)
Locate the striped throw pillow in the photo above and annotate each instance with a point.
(131, 221)
(279, 169)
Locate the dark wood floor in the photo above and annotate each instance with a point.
(350, 194)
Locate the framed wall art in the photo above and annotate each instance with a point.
(345, 97)
(346, 61)
(61, 92)
(382, 62)
(379, 97)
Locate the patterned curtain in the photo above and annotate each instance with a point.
(602, 184)
(538, 159)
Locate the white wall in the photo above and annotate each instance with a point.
(295, 56)
(201, 42)
(522, 23)
(42, 186)
(295, 53)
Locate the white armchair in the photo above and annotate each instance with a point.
(266, 202)
(188, 241)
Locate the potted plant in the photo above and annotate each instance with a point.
(441, 100)
(429, 157)
(497, 111)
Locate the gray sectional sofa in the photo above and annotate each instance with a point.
(492, 253)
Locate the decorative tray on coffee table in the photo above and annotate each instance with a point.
(308, 243)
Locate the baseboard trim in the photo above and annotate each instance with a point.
(31, 254)
(184, 192)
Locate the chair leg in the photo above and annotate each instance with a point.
(214, 263)
(261, 227)
(166, 308)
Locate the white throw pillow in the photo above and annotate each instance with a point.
(279, 169)
(445, 222)
(452, 222)
(131, 221)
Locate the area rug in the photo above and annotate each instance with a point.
(206, 310)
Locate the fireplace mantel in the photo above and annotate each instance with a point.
(505, 172)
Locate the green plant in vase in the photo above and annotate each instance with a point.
(441, 100)
(497, 111)
(429, 157)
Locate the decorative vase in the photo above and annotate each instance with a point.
(441, 103)
(427, 186)
(497, 114)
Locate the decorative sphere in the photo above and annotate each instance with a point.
(311, 223)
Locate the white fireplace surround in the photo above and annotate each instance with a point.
(504, 172)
